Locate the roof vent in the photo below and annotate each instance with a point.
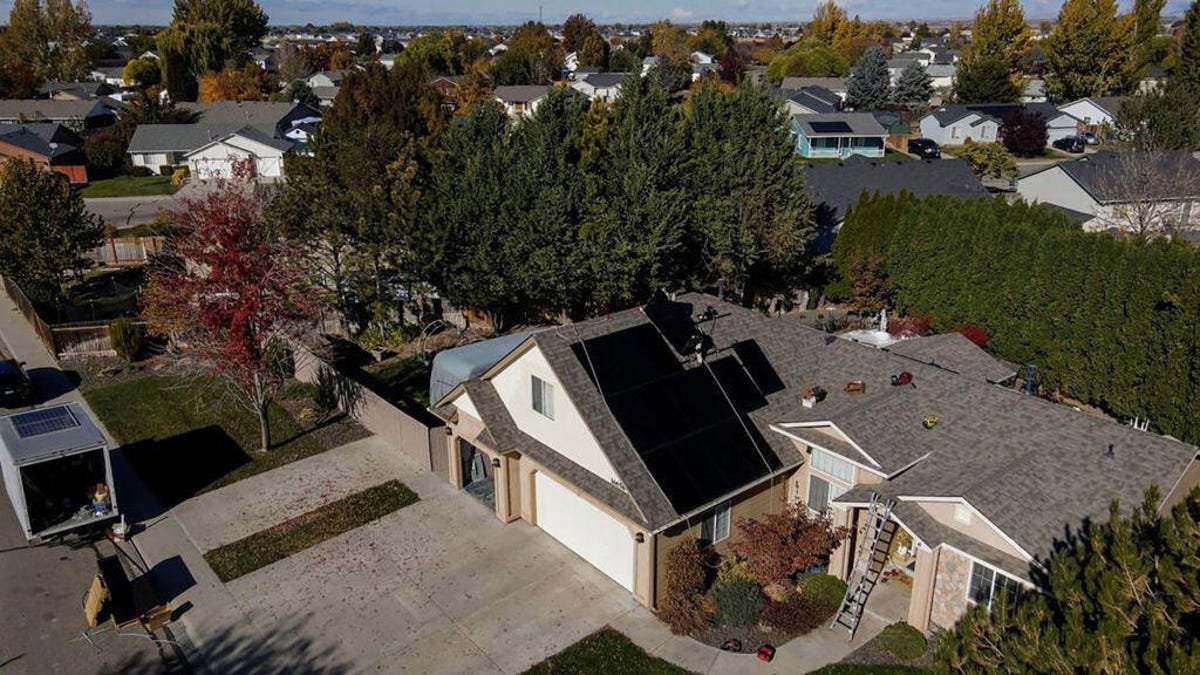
(904, 378)
(1110, 455)
(812, 396)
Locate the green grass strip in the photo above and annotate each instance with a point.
(605, 652)
(288, 538)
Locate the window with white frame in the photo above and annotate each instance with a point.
(832, 465)
(821, 492)
(987, 584)
(715, 526)
(543, 397)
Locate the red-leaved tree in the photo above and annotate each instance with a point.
(230, 291)
(784, 544)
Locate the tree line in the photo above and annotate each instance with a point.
(581, 209)
(1111, 322)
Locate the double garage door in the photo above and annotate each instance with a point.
(592, 534)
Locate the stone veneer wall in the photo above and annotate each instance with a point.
(950, 588)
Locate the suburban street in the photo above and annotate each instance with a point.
(123, 212)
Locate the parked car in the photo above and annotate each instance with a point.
(925, 148)
(15, 388)
(1072, 144)
(1090, 138)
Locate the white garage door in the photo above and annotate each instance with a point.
(594, 535)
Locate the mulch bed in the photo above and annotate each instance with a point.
(307, 530)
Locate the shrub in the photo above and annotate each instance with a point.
(914, 325)
(739, 602)
(797, 615)
(166, 169)
(903, 641)
(786, 543)
(139, 171)
(325, 394)
(105, 151)
(684, 608)
(733, 568)
(824, 589)
(976, 334)
(1024, 134)
(127, 338)
(180, 175)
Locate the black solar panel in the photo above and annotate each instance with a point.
(830, 127)
(687, 423)
(38, 422)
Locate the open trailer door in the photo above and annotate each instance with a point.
(56, 470)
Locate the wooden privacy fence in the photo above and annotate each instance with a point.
(121, 251)
(415, 432)
(83, 338)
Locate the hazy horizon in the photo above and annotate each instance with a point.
(508, 12)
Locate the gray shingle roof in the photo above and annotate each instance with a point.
(521, 93)
(955, 353)
(605, 80)
(174, 137)
(835, 187)
(1110, 177)
(817, 99)
(38, 109)
(23, 137)
(266, 116)
(860, 124)
(829, 83)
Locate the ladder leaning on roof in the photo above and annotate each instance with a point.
(867, 565)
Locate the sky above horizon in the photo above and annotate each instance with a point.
(451, 12)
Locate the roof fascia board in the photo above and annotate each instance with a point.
(783, 426)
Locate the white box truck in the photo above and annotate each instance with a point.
(56, 470)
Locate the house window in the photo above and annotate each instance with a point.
(829, 463)
(543, 397)
(987, 584)
(715, 527)
(821, 492)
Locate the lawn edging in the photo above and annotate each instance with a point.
(308, 529)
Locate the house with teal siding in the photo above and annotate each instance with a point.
(838, 135)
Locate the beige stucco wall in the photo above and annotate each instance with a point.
(761, 500)
(977, 529)
(950, 588)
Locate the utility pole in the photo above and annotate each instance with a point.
(539, 13)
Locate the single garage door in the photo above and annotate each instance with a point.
(594, 535)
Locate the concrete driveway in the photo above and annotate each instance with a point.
(439, 586)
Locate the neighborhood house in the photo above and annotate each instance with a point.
(625, 435)
(838, 135)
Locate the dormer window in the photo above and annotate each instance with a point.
(543, 397)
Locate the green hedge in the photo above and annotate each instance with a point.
(309, 529)
(1111, 322)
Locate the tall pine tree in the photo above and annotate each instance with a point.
(869, 83)
(1089, 52)
(1186, 76)
(914, 87)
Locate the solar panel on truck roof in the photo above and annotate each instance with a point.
(45, 421)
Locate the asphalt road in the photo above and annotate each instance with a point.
(128, 211)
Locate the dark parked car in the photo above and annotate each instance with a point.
(1073, 144)
(1090, 138)
(15, 388)
(924, 148)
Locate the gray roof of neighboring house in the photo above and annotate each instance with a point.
(39, 109)
(88, 89)
(955, 353)
(1111, 104)
(817, 99)
(521, 93)
(941, 70)
(949, 114)
(1171, 174)
(34, 138)
(265, 116)
(189, 137)
(605, 80)
(326, 93)
(828, 83)
(856, 124)
(835, 187)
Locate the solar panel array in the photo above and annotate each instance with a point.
(678, 418)
(44, 421)
(830, 127)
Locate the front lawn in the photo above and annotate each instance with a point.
(307, 530)
(605, 651)
(130, 186)
(186, 435)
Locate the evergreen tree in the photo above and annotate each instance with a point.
(1147, 17)
(914, 87)
(985, 79)
(1120, 596)
(1090, 52)
(869, 82)
(50, 37)
(1167, 118)
(1186, 75)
